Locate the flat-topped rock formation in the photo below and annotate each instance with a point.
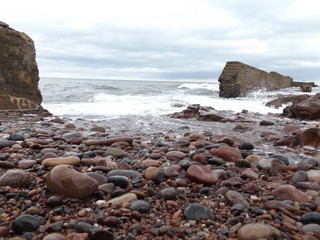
(19, 74)
(237, 79)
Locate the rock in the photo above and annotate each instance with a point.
(196, 211)
(242, 163)
(281, 158)
(6, 164)
(266, 123)
(151, 172)
(51, 162)
(246, 146)
(54, 236)
(123, 172)
(277, 167)
(313, 175)
(100, 234)
(255, 231)
(15, 178)
(26, 223)
(237, 79)
(312, 227)
(6, 143)
(292, 99)
(4, 231)
(311, 217)
(115, 152)
(175, 155)
(201, 174)
(128, 197)
(120, 181)
(140, 206)
(101, 179)
(110, 221)
(107, 188)
(16, 137)
(300, 176)
(83, 227)
(289, 192)
(309, 137)
(227, 153)
(216, 161)
(71, 135)
(65, 180)
(25, 164)
(234, 197)
(109, 141)
(249, 173)
(307, 109)
(19, 74)
(168, 193)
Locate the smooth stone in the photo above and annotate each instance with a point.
(300, 176)
(26, 163)
(83, 227)
(51, 162)
(118, 192)
(107, 188)
(253, 158)
(101, 179)
(266, 123)
(281, 158)
(128, 197)
(71, 135)
(120, 181)
(168, 193)
(98, 129)
(265, 163)
(65, 180)
(196, 211)
(110, 221)
(4, 231)
(140, 206)
(151, 163)
(254, 231)
(197, 136)
(227, 153)
(7, 164)
(216, 161)
(175, 155)
(48, 155)
(246, 146)
(100, 234)
(249, 173)
(151, 172)
(16, 137)
(123, 172)
(109, 141)
(6, 143)
(289, 192)
(55, 227)
(311, 217)
(278, 167)
(15, 178)
(54, 236)
(242, 163)
(313, 175)
(312, 227)
(202, 174)
(234, 197)
(26, 223)
(115, 152)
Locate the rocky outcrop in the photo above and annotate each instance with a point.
(292, 99)
(19, 75)
(237, 79)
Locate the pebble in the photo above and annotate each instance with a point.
(115, 152)
(168, 193)
(311, 217)
(7, 164)
(151, 172)
(4, 231)
(5, 143)
(266, 123)
(101, 179)
(265, 163)
(246, 146)
(65, 180)
(128, 197)
(100, 234)
(313, 175)
(201, 174)
(312, 227)
(249, 173)
(15, 178)
(26, 223)
(289, 192)
(227, 153)
(216, 161)
(123, 172)
(140, 206)
(83, 227)
(243, 163)
(299, 176)
(26, 163)
(234, 197)
(51, 162)
(107, 188)
(175, 155)
(120, 181)
(54, 236)
(196, 211)
(16, 137)
(254, 231)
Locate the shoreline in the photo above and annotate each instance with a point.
(188, 179)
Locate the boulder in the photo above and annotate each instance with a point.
(307, 109)
(278, 102)
(19, 74)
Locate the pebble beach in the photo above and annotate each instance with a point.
(253, 177)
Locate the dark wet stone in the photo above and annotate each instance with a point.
(122, 172)
(242, 163)
(55, 227)
(16, 137)
(216, 161)
(246, 146)
(198, 211)
(26, 223)
(120, 181)
(102, 234)
(168, 193)
(300, 176)
(101, 179)
(159, 178)
(234, 197)
(266, 123)
(140, 206)
(83, 227)
(118, 193)
(54, 201)
(312, 217)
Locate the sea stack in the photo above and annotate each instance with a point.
(19, 74)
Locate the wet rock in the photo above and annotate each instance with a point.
(123, 172)
(6, 164)
(140, 206)
(111, 221)
(216, 161)
(54, 236)
(196, 211)
(201, 174)
(266, 123)
(307, 109)
(246, 146)
(51, 162)
(16, 137)
(281, 158)
(233, 197)
(175, 155)
(227, 153)
(278, 167)
(101, 234)
(311, 217)
(26, 223)
(101, 179)
(15, 178)
(254, 231)
(83, 227)
(289, 192)
(120, 181)
(128, 197)
(65, 180)
(242, 163)
(168, 193)
(115, 152)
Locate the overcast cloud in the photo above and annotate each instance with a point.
(169, 39)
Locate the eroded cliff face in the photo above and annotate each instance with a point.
(19, 74)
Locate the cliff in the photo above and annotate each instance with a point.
(19, 74)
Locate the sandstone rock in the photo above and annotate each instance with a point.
(227, 153)
(19, 75)
(65, 180)
(289, 192)
(307, 109)
(237, 79)
(51, 162)
(201, 174)
(128, 197)
(15, 178)
(254, 231)
(278, 102)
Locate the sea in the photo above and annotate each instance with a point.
(103, 99)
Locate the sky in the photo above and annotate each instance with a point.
(169, 39)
